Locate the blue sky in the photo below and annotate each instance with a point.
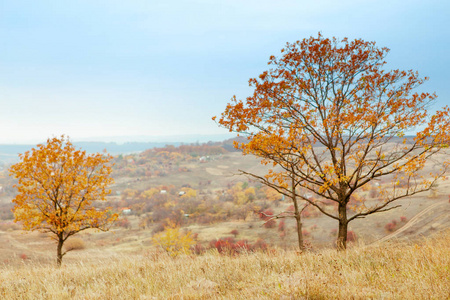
(93, 69)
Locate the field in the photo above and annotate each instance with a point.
(399, 270)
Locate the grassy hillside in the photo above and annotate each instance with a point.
(216, 203)
(196, 186)
(417, 270)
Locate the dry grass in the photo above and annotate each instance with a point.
(389, 271)
(75, 243)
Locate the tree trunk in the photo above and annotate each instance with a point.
(59, 254)
(343, 224)
(298, 216)
(299, 232)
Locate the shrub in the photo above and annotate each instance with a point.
(390, 227)
(310, 212)
(229, 246)
(223, 245)
(403, 219)
(242, 246)
(351, 236)
(260, 244)
(235, 232)
(158, 228)
(124, 223)
(74, 244)
(270, 224)
(173, 241)
(281, 226)
(198, 249)
(267, 215)
(306, 214)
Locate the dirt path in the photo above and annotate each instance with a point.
(414, 220)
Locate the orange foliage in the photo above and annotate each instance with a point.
(57, 187)
(333, 119)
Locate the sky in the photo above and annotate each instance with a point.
(100, 70)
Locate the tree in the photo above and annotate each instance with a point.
(57, 189)
(329, 116)
(297, 210)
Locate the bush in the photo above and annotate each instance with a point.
(267, 215)
(74, 244)
(198, 249)
(310, 212)
(260, 244)
(390, 227)
(124, 223)
(158, 228)
(223, 245)
(306, 214)
(270, 224)
(281, 226)
(235, 232)
(173, 241)
(229, 246)
(351, 236)
(403, 219)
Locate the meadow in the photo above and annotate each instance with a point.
(392, 270)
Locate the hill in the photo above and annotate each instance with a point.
(198, 187)
(9, 152)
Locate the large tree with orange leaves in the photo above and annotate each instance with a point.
(334, 120)
(57, 187)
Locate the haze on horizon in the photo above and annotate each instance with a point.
(163, 68)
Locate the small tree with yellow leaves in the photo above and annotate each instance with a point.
(57, 187)
(173, 241)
